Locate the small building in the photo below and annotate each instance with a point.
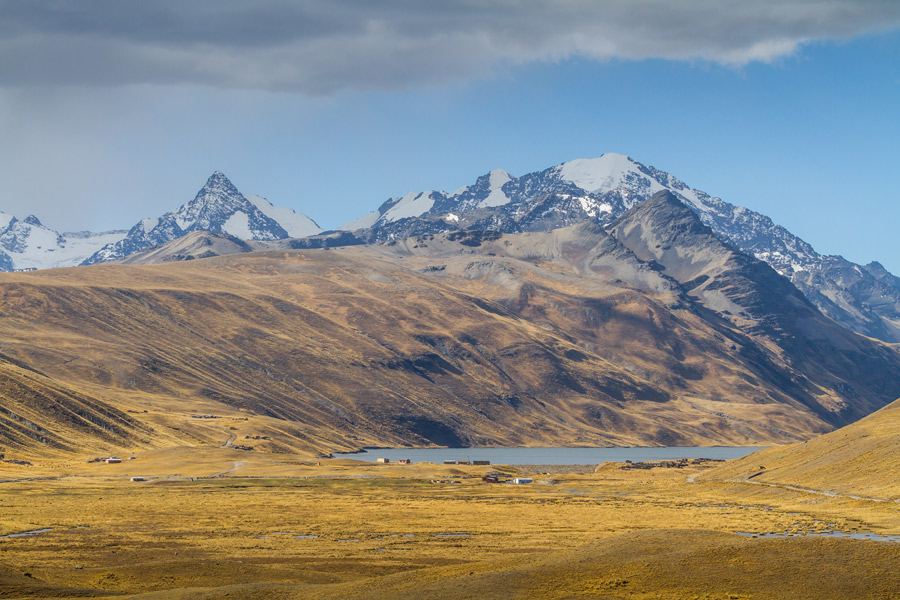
(404, 461)
(112, 460)
(521, 480)
(383, 460)
(481, 462)
(462, 462)
(451, 462)
(136, 479)
(490, 479)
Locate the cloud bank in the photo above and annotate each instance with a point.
(325, 46)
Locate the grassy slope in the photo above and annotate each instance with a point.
(540, 339)
(38, 411)
(857, 459)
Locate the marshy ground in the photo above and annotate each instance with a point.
(211, 523)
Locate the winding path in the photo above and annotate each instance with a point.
(827, 493)
(230, 441)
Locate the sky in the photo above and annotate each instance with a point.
(116, 110)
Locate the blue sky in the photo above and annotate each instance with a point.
(804, 129)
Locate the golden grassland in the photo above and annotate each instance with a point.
(859, 459)
(218, 522)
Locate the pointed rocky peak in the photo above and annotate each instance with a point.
(218, 185)
(662, 201)
(667, 217)
(33, 220)
(665, 230)
(217, 177)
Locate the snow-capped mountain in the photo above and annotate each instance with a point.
(218, 208)
(28, 244)
(602, 189)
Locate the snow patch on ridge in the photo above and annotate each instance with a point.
(410, 205)
(498, 177)
(238, 225)
(364, 222)
(296, 224)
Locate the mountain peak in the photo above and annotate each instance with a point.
(33, 220)
(602, 174)
(218, 208)
(665, 214)
(663, 198)
(218, 178)
(218, 189)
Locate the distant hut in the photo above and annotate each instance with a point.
(521, 480)
(383, 460)
(404, 461)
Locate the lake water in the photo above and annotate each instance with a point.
(550, 456)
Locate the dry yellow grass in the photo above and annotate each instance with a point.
(389, 532)
(859, 459)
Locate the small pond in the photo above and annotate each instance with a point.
(854, 535)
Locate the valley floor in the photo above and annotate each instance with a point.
(218, 522)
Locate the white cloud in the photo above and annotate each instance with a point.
(324, 46)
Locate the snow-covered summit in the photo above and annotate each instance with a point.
(218, 208)
(606, 173)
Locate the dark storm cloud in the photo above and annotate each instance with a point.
(323, 46)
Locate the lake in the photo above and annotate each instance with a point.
(551, 456)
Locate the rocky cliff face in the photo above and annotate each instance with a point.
(751, 295)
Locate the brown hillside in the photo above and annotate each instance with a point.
(464, 339)
(859, 459)
(36, 411)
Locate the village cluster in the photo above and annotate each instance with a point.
(485, 479)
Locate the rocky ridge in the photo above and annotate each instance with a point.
(865, 299)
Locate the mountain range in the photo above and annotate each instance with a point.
(218, 207)
(651, 330)
(864, 298)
